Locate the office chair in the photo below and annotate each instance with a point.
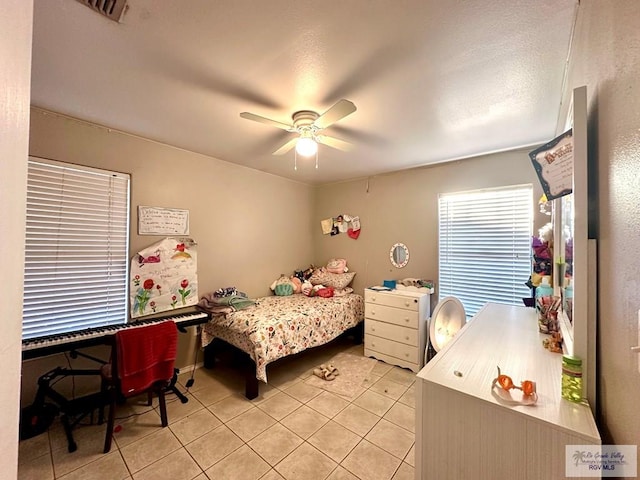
(142, 361)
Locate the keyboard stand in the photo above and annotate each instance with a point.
(75, 410)
(37, 417)
(72, 411)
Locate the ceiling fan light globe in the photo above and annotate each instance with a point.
(306, 147)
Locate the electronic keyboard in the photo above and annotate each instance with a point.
(64, 342)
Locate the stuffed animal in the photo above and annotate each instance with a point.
(283, 286)
(545, 234)
(312, 290)
(297, 284)
(307, 289)
(308, 272)
(304, 274)
(337, 265)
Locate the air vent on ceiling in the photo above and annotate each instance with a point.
(113, 9)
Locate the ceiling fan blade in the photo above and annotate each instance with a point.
(268, 121)
(286, 147)
(334, 142)
(338, 111)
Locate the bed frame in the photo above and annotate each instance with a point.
(252, 384)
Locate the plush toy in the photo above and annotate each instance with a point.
(337, 265)
(546, 234)
(297, 284)
(307, 289)
(308, 272)
(283, 286)
(542, 247)
(304, 274)
(312, 290)
(325, 292)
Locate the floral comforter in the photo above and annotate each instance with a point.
(278, 326)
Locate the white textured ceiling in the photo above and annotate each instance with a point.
(433, 80)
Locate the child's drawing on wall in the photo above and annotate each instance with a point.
(164, 277)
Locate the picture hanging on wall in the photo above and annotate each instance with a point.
(164, 277)
(342, 223)
(553, 163)
(162, 221)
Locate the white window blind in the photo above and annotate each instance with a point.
(485, 246)
(76, 252)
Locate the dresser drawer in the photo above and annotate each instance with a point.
(405, 335)
(396, 316)
(391, 300)
(395, 349)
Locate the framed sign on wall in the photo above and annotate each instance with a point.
(162, 221)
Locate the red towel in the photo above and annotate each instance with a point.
(146, 355)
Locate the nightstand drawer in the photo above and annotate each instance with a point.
(404, 335)
(396, 316)
(391, 300)
(395, 349)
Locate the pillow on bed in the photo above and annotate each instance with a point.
(328, 279)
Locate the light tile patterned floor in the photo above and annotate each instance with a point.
(292, 431)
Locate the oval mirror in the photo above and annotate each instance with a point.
(399, 255)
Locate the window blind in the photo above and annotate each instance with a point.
(76, 252)
(485, 246)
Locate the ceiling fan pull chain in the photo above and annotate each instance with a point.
(295, 160)
(316, 160)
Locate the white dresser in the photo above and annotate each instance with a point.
(395, 326)
(464, 429)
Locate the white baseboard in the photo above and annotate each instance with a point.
(190, 368)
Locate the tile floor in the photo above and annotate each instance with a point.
(292, 431)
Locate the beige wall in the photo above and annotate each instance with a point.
(606, 58)
(403, 207)
(250, 226)
(15, 77)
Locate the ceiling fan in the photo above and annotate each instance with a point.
(308, 125)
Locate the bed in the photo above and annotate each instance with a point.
(279, 326)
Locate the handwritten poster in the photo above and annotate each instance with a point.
(164, 277)
(553, 163)
(162, 221)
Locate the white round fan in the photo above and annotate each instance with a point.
(447, 319)
(308, 125)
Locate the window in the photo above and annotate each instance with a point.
(485, 246)
(76, 251)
